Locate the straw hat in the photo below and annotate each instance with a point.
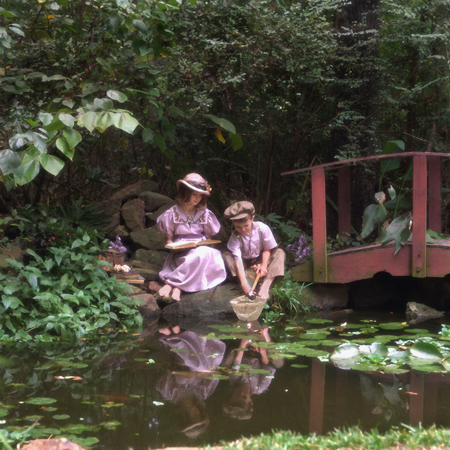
(195, 182)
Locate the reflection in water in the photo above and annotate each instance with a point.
(188, 389)
(233, 383)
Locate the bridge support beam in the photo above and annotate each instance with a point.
(319, 219)
(419, 247)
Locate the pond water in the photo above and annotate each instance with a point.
(205, 382)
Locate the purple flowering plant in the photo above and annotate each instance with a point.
(300, 249)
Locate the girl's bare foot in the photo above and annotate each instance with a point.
(165, 291)
(176, 294)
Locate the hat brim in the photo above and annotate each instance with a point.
(193, 188)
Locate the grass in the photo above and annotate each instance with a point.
(404, 438)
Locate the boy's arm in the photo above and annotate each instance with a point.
(264, 263)
(241, 274)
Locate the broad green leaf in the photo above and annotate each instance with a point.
(426, 350)
(148, 135)
(174, 111)
(9, 161)
(140, 25)
(88, 120)
(72, 136)
(51, 164)
(390, 164)
(64, 148)
(117, 95)
(393, 147)
(45, 118)
(17, 29)
(391, 192)
(236, 141)
(104, 103)
(370, 219)
(160, 142)
(400, 203)
(224, 123)
(374, 349)
(29, 168)
(381, 213)
(8, 14)
(126, 122)
(67, 120)
(106, 120)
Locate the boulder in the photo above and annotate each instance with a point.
(134, 190)
(149, 238)
(148, 307)
(152, 217)
(418, 312)
(210, 303)
(326, 296)
(151, 256)
(153, 200)
(133, 213)
(109, 207)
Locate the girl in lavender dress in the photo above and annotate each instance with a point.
(198, 268)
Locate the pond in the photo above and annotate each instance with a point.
(199, 383)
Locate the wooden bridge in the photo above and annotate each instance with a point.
(417, 258)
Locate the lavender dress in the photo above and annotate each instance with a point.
(196, 269)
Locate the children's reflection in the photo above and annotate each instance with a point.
(250, 357)
(188, 388)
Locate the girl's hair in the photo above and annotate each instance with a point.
(184, 195)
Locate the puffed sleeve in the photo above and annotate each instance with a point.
(165, 223)
(212, 225)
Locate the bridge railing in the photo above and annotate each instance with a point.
(426, 205)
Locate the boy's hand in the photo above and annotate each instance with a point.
(246, 288)
(262, 270)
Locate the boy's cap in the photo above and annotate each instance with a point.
(239, 210)
(195, 182)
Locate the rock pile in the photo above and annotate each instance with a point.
(132, 213)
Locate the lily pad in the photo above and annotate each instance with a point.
(300, 366)
(374, 349)
(61, 416)
(319, 321)
(426, 350)
(40, 401)
(393, 325)
(345, 351)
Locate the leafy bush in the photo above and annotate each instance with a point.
(61, 288)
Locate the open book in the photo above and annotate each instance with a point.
(190, 244)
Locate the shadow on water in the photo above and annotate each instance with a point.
(201, 382)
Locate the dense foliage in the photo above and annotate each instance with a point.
(61, 289)
(101, 93)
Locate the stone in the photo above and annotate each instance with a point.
(153, 200)
(147, 274)
(151, 256)
(148, 307)
(133, 213)
(10, 253)
(113, 221)
(135, 263)
(149, 238)
(134, 190)
(210, 303)
(326, 296)
(109, 207)
(52, 444)
(418, 312)
(153, 217)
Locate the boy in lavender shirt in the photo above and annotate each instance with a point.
(252, 244)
